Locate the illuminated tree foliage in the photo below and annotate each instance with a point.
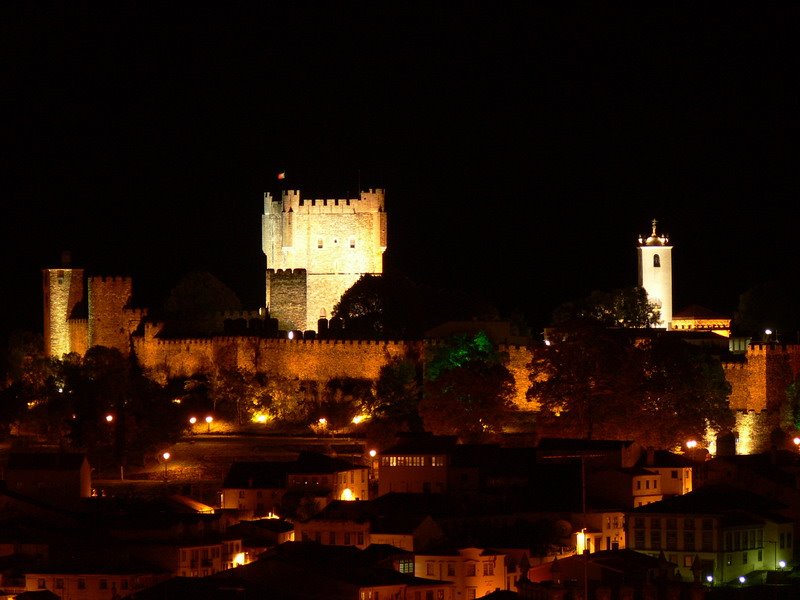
(583, 380)
(398, 392)
(790, 417)
(657, 390)
(467, 387)
(684, 391)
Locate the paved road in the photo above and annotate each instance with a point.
(208, 457)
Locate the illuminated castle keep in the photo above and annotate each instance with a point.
(316, 250)
(655, 273)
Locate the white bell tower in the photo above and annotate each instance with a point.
(655, 272)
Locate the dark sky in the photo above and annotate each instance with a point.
(523, 147)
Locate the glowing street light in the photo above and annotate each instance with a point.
(710, 579)
(796, 440)
(209, 418)
(742, 579)
(691, 444)
(166, 457)
(109, 418)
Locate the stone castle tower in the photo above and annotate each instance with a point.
(655, 272)
(63, 294)
(81, 312)
(316, 250)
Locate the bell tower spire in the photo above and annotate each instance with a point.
(655, 272)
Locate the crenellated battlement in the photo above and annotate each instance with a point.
(111, 280)
(243, 314)
(370, 201)
(733, 366)
(286, 272)
(767, 348)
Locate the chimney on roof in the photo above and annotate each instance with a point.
(651, 456)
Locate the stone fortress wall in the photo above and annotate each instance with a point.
(758, 383)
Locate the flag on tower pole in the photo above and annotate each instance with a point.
(282, 175)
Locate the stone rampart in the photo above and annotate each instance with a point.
(313, 360)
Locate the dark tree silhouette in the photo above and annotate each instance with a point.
(627, 307)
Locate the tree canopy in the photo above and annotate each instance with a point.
(194, 304)
(626, 307)
(392, 306)
(659, 390)
(773, 305)
(467, 387)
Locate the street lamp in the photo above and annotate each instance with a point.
(165, 456)
(774, 553)
(209, 418)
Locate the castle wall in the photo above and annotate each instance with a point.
(738, 375)
(63, 291)
(287, 298)
(79, 335)
(759, 384)
(324, 292)
(307, 360)
(108, 318)
(313, 360)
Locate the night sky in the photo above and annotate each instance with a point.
(523, 148)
